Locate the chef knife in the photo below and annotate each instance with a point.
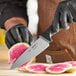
(36, 48)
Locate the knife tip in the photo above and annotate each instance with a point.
(12, 67)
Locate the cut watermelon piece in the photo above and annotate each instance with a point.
(73, 68)
(58, 68)
(36, 68)
(15, 51)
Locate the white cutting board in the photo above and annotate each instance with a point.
(4, 71)
(4, 68)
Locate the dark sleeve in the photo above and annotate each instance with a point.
(12, 8)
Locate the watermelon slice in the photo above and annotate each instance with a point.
(36, 68)
(15, 51)
(58, 68)
(73, 68)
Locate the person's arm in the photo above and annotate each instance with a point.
(65, 13)
(9, 23)
(18, 33)
(14, 19)
(10, 9)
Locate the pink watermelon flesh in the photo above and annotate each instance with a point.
(73, 63)
(37, 67)
(58, 67)
(16, 51)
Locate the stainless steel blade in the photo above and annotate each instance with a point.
(35, 49)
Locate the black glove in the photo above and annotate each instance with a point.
(18, 33)
(65, 13)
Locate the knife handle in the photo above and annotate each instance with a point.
(50, 32)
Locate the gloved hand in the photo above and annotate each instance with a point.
(65, 13)
(18, 33)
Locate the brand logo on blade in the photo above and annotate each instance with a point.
(34, 46)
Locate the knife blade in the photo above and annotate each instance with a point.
(36, 48)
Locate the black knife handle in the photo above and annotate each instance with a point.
(50, 31)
